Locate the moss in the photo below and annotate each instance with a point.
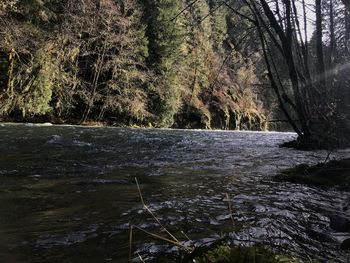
(227, 254)
(331, 174)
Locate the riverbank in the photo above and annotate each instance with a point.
(330, 174)
(227, 254)
(243, 124)
(61, 121)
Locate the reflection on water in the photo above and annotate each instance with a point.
(67, 194)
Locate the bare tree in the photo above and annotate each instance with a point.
(105, 50)
(310, 100)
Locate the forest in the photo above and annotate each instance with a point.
(130, 62)
(182, 71)
(162, 64)
(185, 64)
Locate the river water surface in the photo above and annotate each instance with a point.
(68, 194)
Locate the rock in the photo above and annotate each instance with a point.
(345, 245)
(319, 236)
(339, 224)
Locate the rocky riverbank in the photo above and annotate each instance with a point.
(329, 174)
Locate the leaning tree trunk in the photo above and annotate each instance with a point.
(286, 43)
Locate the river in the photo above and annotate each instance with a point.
(68, 194)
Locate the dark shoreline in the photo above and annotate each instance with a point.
(108, 124)
(335, 173)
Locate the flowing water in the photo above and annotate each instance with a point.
(67, 194)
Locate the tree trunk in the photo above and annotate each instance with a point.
(286, 39)
(332, 46)
(319, 47)
(347, 25)
(11, 63)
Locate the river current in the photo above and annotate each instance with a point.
(68, 194)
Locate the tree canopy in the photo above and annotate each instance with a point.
(187, 64)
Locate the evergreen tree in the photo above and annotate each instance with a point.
(195, 74)
(219, 24)
(118, 62)
(166, 42)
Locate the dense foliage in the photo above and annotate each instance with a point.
(181, 63)
(148, 63)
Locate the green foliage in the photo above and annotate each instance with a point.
(38, 12)
(166, 54)
(106, 66)
(37, 92)
(225, 254)
(30, 86)
(165, 35)
(220, 253)
(219, 25)
(9, 5)
(126, 93)
(124, 62)
(196, 71)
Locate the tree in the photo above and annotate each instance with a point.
(166, 40)
(30, 66)
(106, 49)
(127, 62)
(217, 82)
(320, 114)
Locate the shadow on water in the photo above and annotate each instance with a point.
(67, 194)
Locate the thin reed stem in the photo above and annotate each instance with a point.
(152, 214)
(178, 244)
(130, 243)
